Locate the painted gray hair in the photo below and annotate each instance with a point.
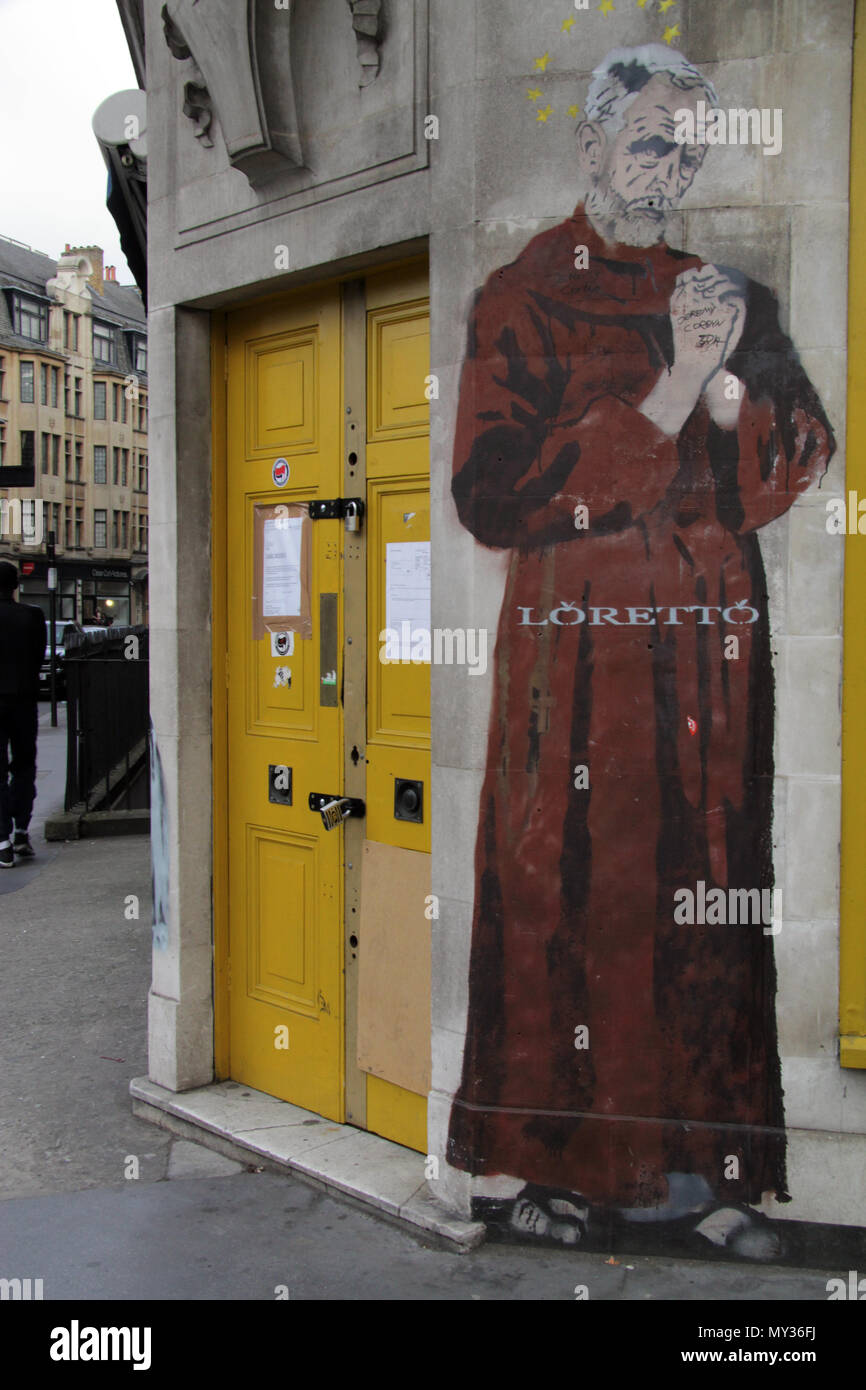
(624, 73)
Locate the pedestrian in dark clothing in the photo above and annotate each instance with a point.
(22, 648)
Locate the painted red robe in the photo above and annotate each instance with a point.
(574, 914)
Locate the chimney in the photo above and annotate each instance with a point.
(94, 255)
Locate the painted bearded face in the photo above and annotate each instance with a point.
(640, 173)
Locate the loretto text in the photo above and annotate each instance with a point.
(571, 615)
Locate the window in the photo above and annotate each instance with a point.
(124, 453)
(29, 526)
(79, 459)
(142, 472)
(140, 355)
(28, 449)
(115, 454)
(55, 519)
(2, 442)
(78, 397)
(68, 528)
(142, 534)
(45, 439)
(115, 401)
(104, 342)
(122, 406)
(70, 331)
(79, 526)
(27, 395)
(55, 454)
(116, 529)
(99, 401)
(43, 383)
(100, 463)
(30, 318)
(2, 378)
(124, 517)
(55, 386)
(67, 454)
(142, 415)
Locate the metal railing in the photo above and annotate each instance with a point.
(107, 710)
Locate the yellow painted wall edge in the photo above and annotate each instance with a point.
(852, 944)
(218, 694)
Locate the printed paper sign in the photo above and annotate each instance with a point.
(281, 577)
(407, 592)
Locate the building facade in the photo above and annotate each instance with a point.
(502, 384)
(73, 431)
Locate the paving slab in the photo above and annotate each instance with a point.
(372, 1171)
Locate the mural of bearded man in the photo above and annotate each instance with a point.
(629, 418)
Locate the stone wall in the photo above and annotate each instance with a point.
(500, 175)
(500, 77)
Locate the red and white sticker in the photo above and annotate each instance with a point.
(280, 472)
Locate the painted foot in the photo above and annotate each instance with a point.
(558, 1216)
(741, 1232)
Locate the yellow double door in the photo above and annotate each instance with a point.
(322, 934)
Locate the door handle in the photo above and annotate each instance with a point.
(335, 809)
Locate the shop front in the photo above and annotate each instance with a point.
(86, 593)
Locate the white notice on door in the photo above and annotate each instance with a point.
(281, 565)
(407, 598)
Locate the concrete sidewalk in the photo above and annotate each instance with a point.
(101, 1204)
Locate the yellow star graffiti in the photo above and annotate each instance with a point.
(641, 4)
(574, 111)
(568, 25)
(607, 6)
(533, 93)
(540, 64)
(671, 33)
(543, 113)
(665, 5)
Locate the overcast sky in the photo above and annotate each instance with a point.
(58, 60)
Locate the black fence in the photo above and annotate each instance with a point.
(107, 711)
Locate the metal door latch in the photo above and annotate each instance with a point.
(348, 509)
(335, 809)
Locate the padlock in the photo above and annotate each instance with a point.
(353, 515)
(333, 814)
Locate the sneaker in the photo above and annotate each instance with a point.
(21, 845)
(7, 858)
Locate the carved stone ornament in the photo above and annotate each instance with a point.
(240, 70)
(196, 97)
(367, 23)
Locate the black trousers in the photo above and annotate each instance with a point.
(19, 722)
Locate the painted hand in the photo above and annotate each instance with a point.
(707, 317)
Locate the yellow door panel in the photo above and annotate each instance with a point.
(397, 1114)
(281, 371)
(398, 339)
(284, 730)
(398, 691)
